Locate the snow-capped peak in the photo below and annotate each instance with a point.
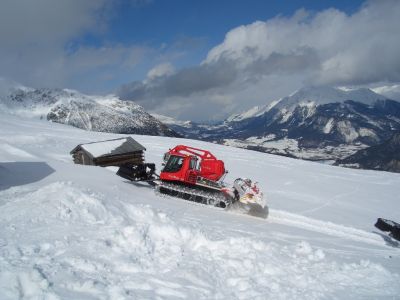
(7, 86)
(252, 112)
(310, 97)
(390, 91)
(170, 120)
(325, 95)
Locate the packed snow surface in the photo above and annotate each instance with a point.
(81, 232)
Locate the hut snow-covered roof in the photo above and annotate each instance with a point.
(110, 147)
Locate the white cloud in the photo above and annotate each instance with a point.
(29, 23)
(264, 60)
(96, 69)
(160, 70)
(34, 36)
(360, 48)
(41, 44)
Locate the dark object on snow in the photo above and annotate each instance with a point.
(109, 153)
(137, 172)
(389, 226)
(383, 224)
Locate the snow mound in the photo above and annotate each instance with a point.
(76, 243)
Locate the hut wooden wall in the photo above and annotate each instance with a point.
(80, 157)
(117, 160)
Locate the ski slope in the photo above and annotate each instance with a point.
(78, 232)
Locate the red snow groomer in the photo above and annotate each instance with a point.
(197, 175)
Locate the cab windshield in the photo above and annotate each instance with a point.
(174, 164)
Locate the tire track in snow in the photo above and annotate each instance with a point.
(299, 221)
(328, 228)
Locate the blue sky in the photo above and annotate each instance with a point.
(199, 60)
(160, 21)
(193, 27)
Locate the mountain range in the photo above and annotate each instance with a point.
(95, 113)
(316, 123)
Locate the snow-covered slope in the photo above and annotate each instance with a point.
(96, 113)
(80, 232)
(325, 95)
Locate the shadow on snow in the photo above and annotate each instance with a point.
(20, 173)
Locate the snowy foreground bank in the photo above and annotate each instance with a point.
(77, 232)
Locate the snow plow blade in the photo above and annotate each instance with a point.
(389, 226)
(142, 172)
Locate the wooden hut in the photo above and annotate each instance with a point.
(109, 153)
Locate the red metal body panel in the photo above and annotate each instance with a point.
(186, 164)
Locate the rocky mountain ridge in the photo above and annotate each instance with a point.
(385, 156)
(319, 123)
(96, 113)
